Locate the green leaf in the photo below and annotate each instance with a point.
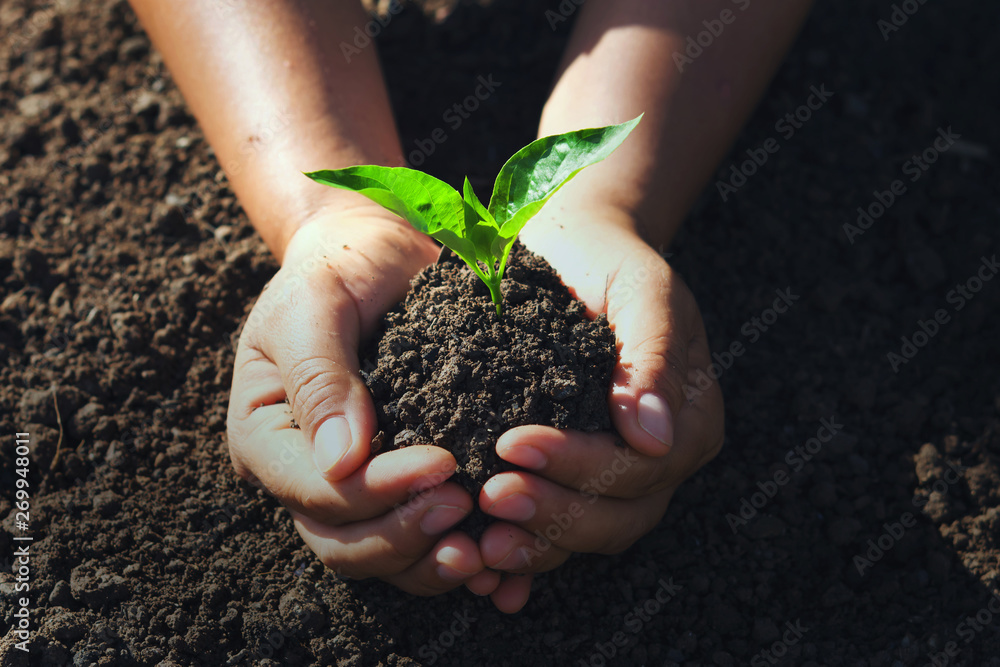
(537, 171)
(430, 205)
(427, 203)
(477, 206)
(480, 227)
(482, 236)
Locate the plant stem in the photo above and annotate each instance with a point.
(493, 282)
(495, 293)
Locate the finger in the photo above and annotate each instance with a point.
(653, 316)
(510, 548)
(589, 462)
(559, 515)
(389, 544)
(318, 368)
(512, 593)
(453, 561)
(324, 386)
(484, 583)
(268, 451)
(308, 322)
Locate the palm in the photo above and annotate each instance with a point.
(662, 346)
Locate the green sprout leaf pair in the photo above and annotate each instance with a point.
(483, 236)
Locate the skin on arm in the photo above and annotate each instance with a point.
(620, 62)
(246, 68)
(276, 97)
(599, 233)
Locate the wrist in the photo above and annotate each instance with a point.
(568, 215)
(347, 219)
(366, 228)
(366, 253)
(287, 205)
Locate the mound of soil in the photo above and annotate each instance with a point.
(449, 372)
(127, 268)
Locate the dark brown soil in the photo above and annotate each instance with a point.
(127, 267)
(447, 371)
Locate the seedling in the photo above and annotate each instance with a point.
(483, 236)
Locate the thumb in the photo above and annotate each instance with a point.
(653, 315)
(314, 344)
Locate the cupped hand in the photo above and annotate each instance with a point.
(301, 419)
(585, 492)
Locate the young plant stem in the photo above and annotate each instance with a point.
(493, 282)
(492, 279)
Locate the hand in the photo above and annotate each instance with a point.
(363, 517)
(585, 493)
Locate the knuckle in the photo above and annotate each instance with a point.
(315, 388)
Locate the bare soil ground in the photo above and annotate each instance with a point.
(127, 268)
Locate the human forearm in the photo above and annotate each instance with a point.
(620, 62)
(275, 97)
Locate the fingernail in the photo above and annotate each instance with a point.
(515, 560)
(440, 518)
(333, 439)
(517, 507)
(526, 457)
(655, 418)
(448, 569)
